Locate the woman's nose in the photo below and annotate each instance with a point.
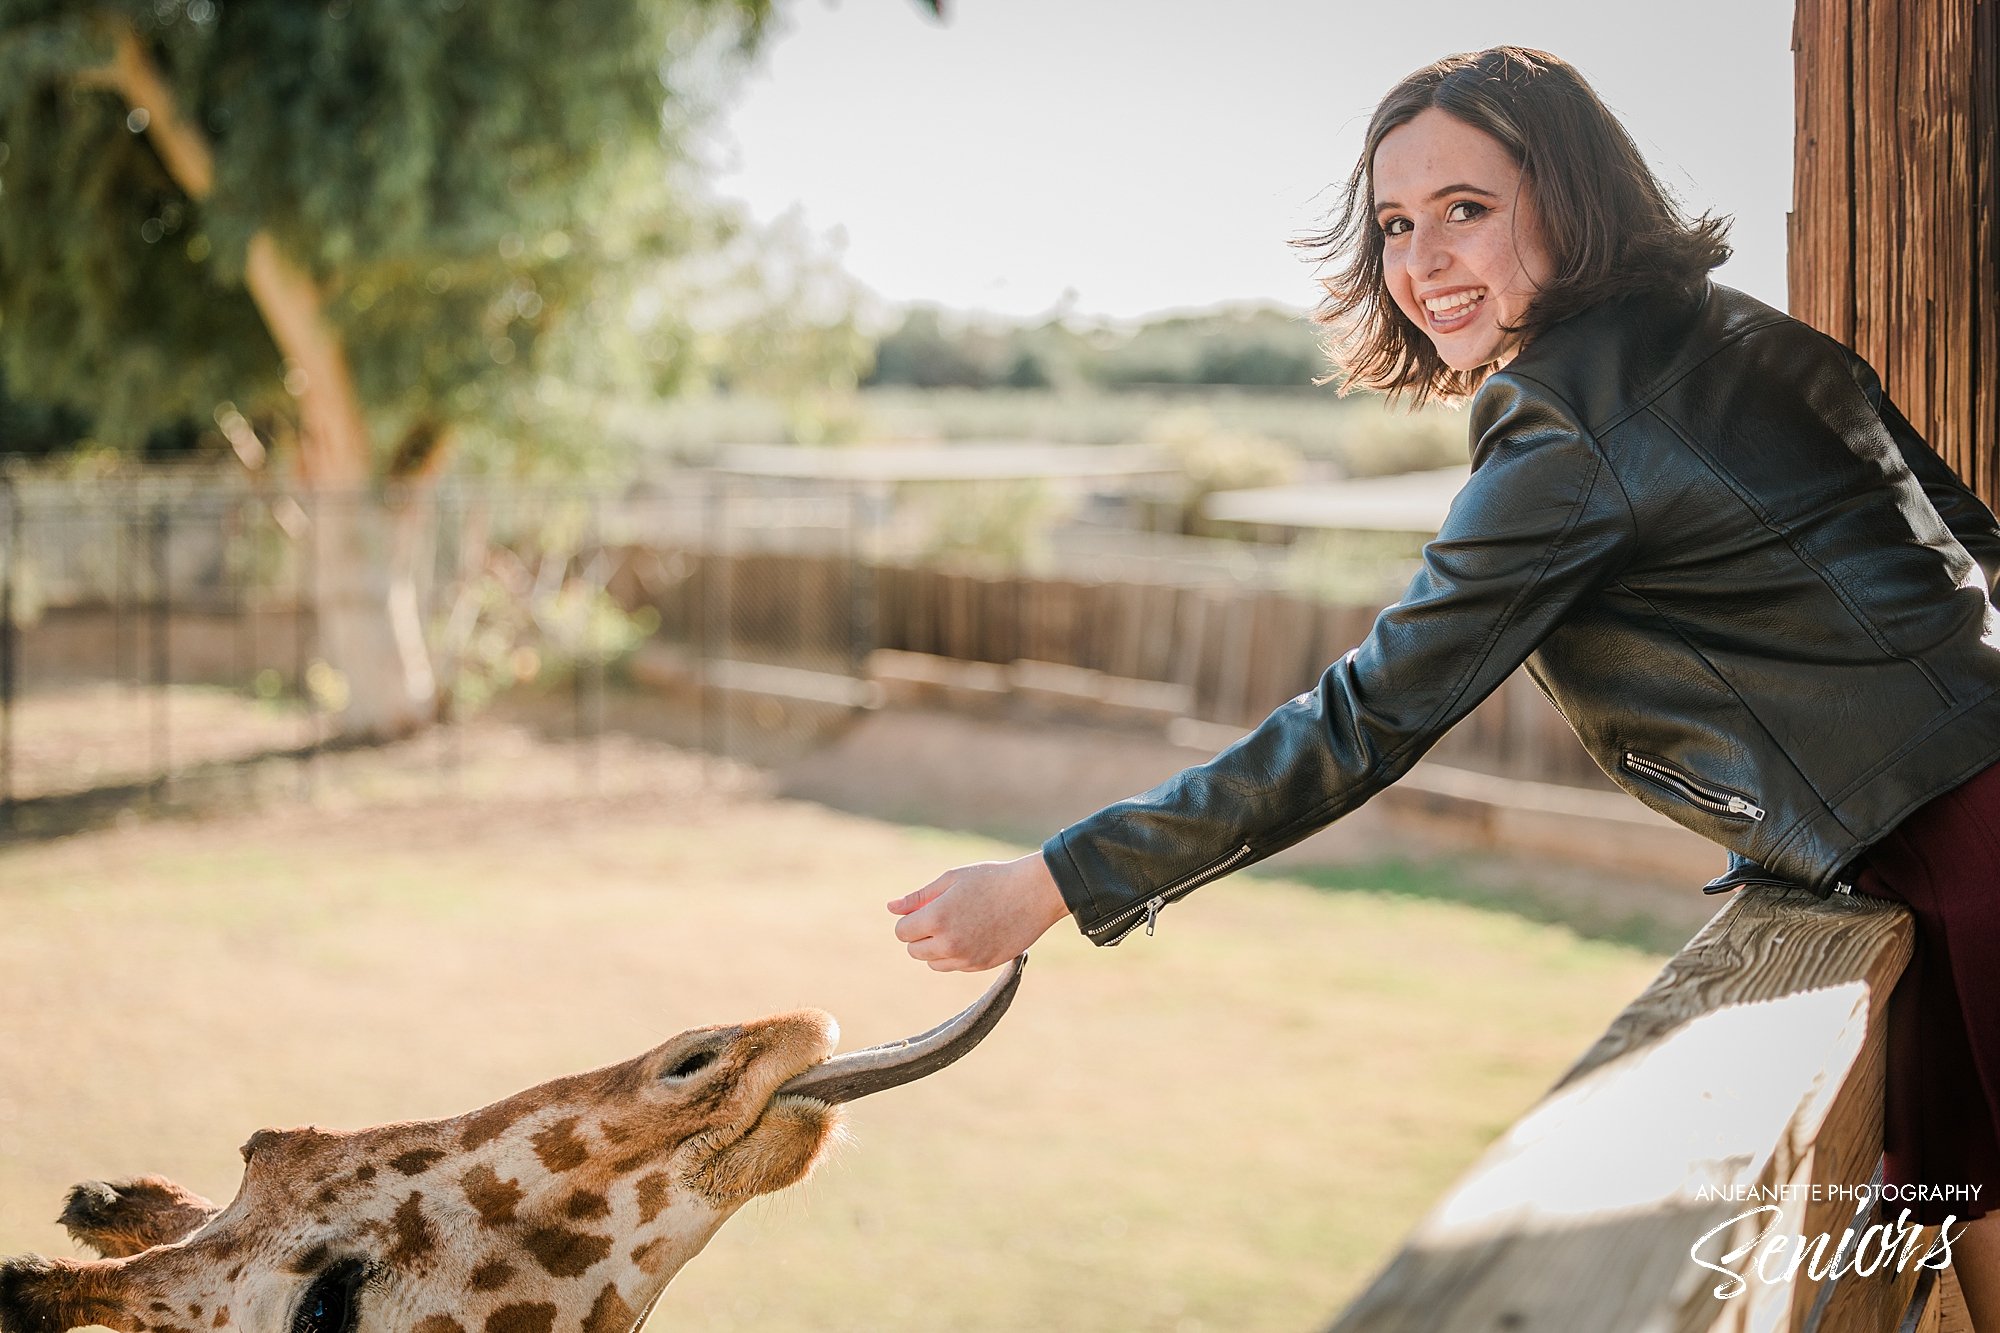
(1428, 254)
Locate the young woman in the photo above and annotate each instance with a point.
(1760, 600)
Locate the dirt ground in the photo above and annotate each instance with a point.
(1227, 1126)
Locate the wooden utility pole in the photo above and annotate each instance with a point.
(1894, 237)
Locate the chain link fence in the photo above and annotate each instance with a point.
(176, 639)
(171, 640)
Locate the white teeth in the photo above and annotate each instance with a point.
(1451, 305)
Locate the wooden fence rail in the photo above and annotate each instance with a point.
(1748, 1076)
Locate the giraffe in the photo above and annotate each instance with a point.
(565, 1208)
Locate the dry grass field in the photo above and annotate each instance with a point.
(1227, 1126)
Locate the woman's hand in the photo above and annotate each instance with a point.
(980, 916)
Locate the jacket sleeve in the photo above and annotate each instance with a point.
(1540, 525)
(1963, 512)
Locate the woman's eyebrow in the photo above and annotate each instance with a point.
(1460, 188)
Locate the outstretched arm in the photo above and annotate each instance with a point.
(1541, 524)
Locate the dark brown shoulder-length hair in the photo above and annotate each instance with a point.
(1611, 229)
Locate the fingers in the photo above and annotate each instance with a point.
(939, 952)
(943, 961)
(940, 956)
(916, 926)
(910, 902)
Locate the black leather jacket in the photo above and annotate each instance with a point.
(1756, 595)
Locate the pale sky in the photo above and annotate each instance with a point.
(1157, 154)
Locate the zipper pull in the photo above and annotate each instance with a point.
(1739, 806)
(1153, 906)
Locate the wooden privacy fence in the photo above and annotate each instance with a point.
(1234, 650)
(1739, 1097)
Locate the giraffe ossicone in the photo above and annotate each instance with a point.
(565, 1208)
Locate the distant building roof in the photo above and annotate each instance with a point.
(993, 460)
(1412, 502)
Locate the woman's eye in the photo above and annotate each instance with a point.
(1465, 210)
(332, 1303)
(1395, 226)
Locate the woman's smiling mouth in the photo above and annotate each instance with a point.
(1453, 310)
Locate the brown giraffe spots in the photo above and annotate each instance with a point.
(194, 1312)
(633, 1161)
(493, 1197)
(610, 1313)
(417, 1160)
(585, 1205)
(482, 1127)
(653, 1192)
(160, 1307)
(438, 1323)
(492, 1275)
(525, 1317)
(565, 1253)
(414, 1237)
(221, 1317)
(652, 1256)
(559, 1147)
(364, 1173)
(307, 1262)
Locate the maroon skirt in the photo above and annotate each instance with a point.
(1942, 1124)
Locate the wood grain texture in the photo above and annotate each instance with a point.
(1242, 650)
(1753, 1061)
(1895, 229)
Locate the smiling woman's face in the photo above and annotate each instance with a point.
(1462, 249)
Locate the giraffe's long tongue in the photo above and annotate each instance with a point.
(843, 1078)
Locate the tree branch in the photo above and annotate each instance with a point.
(334, 448)
(135, 76)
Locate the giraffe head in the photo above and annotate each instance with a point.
(567, 1206)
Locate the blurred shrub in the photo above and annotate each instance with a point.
(1353, 568)
(929, 351)
(1251, 346)
(1212, 458)
(995, 525)
(1390, 441)
(534, 616)
(1257, 346)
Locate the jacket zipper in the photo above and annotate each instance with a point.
(1716, 800)
(1148, 912)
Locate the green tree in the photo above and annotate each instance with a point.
(367, 231)
(779, 317)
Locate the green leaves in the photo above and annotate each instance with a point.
(460, 176)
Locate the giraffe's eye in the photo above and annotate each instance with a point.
(333, 1302)
(692, 1064)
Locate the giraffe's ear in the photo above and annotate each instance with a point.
(123, 1217)
(40, 1295)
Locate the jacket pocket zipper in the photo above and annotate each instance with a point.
(1715, 800)
(1148, 912)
